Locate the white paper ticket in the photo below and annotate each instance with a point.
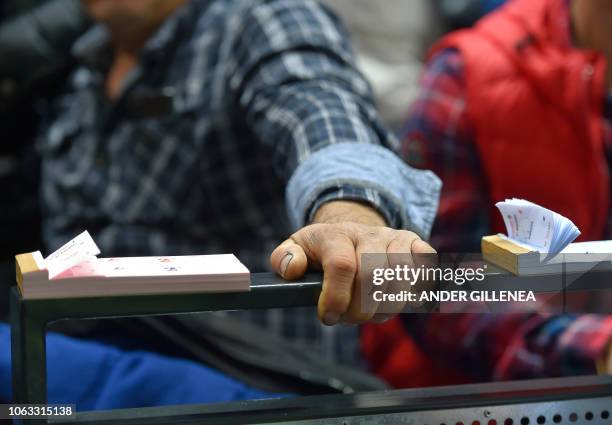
(72, 253)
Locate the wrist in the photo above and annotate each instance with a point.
(349, 211)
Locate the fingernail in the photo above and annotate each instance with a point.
(331, 318)
(285, 263)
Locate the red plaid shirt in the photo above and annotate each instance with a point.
(439, 136)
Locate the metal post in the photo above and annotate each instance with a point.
(28, 355)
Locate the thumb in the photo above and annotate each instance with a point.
(289, 260)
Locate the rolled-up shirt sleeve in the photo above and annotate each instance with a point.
(406, 197)
(297, 89)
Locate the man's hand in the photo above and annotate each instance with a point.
(341, 232)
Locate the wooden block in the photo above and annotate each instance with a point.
(25, 263)
(503, 253)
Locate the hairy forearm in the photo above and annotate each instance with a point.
(348, 211)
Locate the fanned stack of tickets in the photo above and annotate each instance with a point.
(539, 241)
(75, 271)
(537, 227)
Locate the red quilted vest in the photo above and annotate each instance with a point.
(535, 104)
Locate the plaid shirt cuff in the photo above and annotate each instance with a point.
(385, 207)
(407, 197)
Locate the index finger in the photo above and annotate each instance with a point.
(336, 254)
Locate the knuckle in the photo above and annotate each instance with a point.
(346, 229)
(342, 265)
(371, 234)
(304, 232)
(403, 239)
(307, 237)
(407, 234)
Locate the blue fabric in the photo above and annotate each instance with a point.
(97, 377)
(491, 5)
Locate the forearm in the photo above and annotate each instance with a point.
(296, 89)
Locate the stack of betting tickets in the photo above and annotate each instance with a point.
(75, 271)
(539, 241)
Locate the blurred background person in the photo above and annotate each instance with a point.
(36, 37)
(518, 106)
(186, 127)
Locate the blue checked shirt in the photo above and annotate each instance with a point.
(241, 118)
